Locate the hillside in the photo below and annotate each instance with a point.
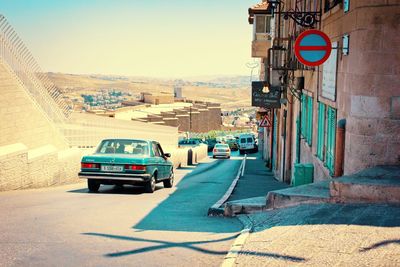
(230, 91)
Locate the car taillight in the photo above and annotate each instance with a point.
(90, 165)
(135, 167)
(215, 150)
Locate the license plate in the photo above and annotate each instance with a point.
(109, 168)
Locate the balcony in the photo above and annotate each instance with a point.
(261, 18)
(260, 45)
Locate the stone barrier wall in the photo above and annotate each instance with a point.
(21, 168)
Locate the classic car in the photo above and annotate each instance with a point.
(127, 161)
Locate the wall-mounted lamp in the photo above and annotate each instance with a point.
(266, 88)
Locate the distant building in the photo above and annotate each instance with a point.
(157, 98)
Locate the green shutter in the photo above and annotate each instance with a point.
(321, 131)
(331, 139)
(309, 120)
(303, 115)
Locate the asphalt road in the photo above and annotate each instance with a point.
(66, 226)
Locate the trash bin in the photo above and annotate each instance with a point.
(303, 174)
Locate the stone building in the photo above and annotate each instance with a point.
(342, 116)
(158, 98)
(187, 115)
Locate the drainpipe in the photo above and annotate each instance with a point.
(339, 152)
(272, 140)
(298, 135)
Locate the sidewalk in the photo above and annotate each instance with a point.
(252, 188)
(324, 235)
(318, 234)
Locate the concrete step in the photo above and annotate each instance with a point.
(245, 206)
(304, 194)
(374, 185)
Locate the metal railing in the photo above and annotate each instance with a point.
(27, 72)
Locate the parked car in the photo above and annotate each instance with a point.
(233, 145)
(189, 142)
(127, 161)
(247, 144)
(211, 143)
(221, 150)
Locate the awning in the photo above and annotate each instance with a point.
(262, 8)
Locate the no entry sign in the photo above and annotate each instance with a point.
(312, 48)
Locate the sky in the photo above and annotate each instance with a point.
(155, 38)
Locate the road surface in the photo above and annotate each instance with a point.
(66, 226)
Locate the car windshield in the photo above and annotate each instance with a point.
(117, 146)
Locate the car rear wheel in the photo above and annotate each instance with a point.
(150, 186)
(170, 182)
(93, 185)
(213, 157)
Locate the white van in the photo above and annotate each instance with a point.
(247, 143)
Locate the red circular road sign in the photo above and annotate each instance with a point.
(312, 47)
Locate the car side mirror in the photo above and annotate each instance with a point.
(167, 155)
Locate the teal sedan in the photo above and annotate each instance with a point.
(127, 161)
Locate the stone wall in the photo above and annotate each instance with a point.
(21, 168)
(368, 85)
(155, 99)
(183, 122)
(215, 119)
(22, 121)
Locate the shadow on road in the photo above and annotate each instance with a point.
(186, 209)
(121, 190)
(381, 244)
(191, 245)
(161, 244)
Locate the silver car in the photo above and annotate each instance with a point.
(221, 150)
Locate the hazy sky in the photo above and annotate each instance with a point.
(160, 38)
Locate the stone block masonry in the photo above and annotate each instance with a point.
(21, 168)
(21, 120)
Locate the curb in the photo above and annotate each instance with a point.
(234, 251)
(216, 210)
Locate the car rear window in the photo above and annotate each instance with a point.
(249, 140)
(243, 140)
(221, 146)
(118, 146)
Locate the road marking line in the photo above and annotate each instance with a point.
(237, 246)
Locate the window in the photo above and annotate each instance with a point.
(326, 136)
(307, 118)
(156, 150)
(329, 4)
(330, 138)
(263, 24)
(123, 146)
(346, 6)
(321, 131)
(345, 49)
